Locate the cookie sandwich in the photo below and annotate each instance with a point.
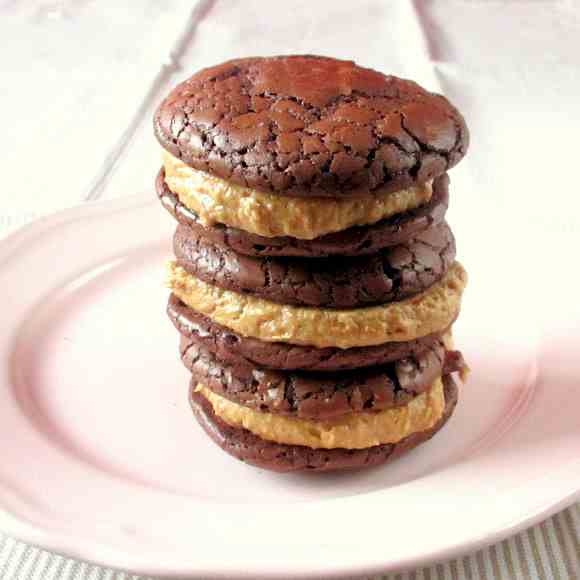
(315, 282)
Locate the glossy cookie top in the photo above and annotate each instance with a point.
(310, 126)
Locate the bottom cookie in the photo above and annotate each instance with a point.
(251, 449)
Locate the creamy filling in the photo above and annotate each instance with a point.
(431, 311)
(215, 200)
(354, 431)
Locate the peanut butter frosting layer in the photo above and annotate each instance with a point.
(354, 431)
(431, 311)
(215, 200)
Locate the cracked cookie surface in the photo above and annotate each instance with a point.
(390, 275)
(311, 395)
(310, 126)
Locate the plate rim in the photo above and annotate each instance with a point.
(62, 544)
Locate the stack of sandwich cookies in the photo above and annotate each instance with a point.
(315, 283)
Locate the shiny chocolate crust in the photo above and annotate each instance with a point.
(308, 125)
(355, 241)
(236, 349)
(249, 448)
(311, 395)
(392, 274)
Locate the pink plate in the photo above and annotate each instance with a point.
(102, 460)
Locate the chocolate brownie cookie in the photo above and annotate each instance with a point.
(310, 126)
(237, 349)
(251, 449)
(310, 395)
(355, 241)
(392, 274)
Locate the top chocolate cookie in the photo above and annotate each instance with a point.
(310, 126)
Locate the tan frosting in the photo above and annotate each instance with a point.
(355, 431)
(431, 311)
(215, 200)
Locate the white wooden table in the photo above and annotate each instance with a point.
(81, 78)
